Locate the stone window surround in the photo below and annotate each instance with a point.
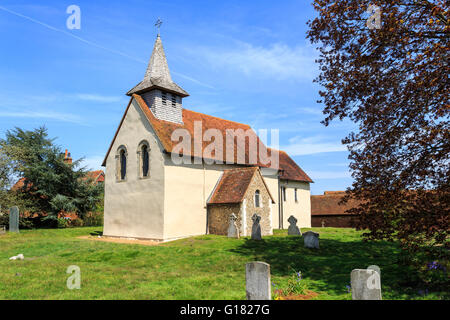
(119, 164)
(258, 203)
(139, 160)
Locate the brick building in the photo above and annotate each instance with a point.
(326, 210)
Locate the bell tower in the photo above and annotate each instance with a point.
(162, 95)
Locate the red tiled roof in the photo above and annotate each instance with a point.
(289, 169)
(97, 176)
(233, 185)
(328, 204)
(18, 185)
(164, 130)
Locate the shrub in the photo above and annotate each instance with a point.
(63, 222)
(93, 219)
(76, 223)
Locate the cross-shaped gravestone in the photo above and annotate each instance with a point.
(256, 228)
(14, 219)
(232, 228)
(293, 230)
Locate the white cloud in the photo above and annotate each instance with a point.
(312, 145)
(279, 61)
(300, 149)
(66, 117)
(321, 175)
(97, 98)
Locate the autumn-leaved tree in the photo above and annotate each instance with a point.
(391, 77)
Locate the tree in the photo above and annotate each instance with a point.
(393, 82)
(51, 186)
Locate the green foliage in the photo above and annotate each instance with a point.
(62, 223)
(93, 219)
(51, 186)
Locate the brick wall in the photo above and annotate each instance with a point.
(335, 221)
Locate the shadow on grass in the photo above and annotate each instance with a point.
(96, 233)
(330, 266)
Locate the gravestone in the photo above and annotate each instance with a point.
(293, 230)
(257, 281)
(232, 228)
(14, 219)
(311, 240)
(366, 284)
(256, 228)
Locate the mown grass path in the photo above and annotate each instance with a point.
(203, 267)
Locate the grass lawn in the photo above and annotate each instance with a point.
(203, 267)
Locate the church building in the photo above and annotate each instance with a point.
(149, 195)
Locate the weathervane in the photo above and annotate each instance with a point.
(158, 25)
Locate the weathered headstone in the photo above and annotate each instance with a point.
(14, 219)
(232, 228)
(257, 281)
(366, 284)
(256, 228)
(293, 230)
(311, 239)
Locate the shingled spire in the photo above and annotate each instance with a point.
(158, 74)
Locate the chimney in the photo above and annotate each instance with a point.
(67, 158)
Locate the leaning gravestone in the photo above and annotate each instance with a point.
(293, 230)
(257, 281)
(14, 219)
(311, 240)
(232, 228)
(256, 228)
(366, 284)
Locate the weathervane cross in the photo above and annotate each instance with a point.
(158, 25)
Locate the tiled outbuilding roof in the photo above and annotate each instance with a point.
(329, 204)
(289, 169)
(234, 184)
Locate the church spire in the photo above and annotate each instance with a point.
(157, 75)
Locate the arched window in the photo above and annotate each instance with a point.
(257, 198)
(144, 159)
(121, 163)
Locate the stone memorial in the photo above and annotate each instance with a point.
(233, 231)
(256, 228)
(14, 219)
(311, 239)
(366, 284)
(257, 281)
(293, 230)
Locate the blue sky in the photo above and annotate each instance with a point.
(247, 61)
